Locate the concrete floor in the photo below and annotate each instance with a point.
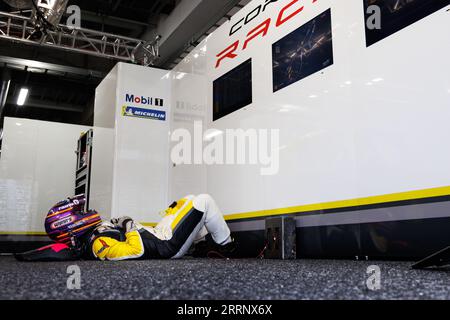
(220, 279)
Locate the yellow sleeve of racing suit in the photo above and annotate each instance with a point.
(106, 248)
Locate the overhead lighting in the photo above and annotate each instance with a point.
(48, 13)
(23, 95)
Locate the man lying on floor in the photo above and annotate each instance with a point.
(83, 235)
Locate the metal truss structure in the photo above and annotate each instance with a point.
(19, 28)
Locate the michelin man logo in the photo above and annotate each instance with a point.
(128, 112)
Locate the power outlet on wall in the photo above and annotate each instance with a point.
(281, 238)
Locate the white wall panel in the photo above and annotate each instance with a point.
(37, 170)
(189, 92)
(101, 190)
(343, 135)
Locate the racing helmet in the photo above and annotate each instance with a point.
(67, 221)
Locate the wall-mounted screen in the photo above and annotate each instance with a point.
(303, 52)
(396, 15)
(233, 90)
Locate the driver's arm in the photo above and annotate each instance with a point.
(106, 248)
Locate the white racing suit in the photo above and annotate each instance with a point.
(187, 220)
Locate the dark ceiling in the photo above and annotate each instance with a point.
(125, 17)
(64, 96)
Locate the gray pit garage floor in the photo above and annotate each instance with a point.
(220, 279)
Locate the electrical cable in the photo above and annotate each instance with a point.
(261, 254)
(210, 253)
(214, 254)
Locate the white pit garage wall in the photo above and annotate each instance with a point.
(359, 137)
(37, 170)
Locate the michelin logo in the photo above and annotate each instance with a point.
(129, 111)
(131, 98)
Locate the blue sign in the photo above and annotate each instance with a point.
(129, 111)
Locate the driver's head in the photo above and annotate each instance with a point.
(67, 221)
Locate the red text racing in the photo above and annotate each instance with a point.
(292, 9)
